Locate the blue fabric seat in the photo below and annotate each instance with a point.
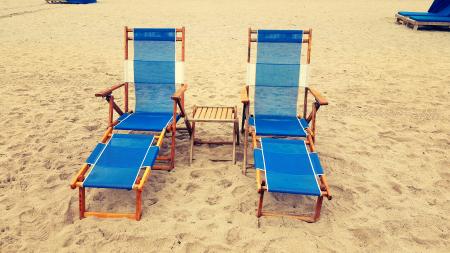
(117, 163)
(145, 121)
(81, 1)
(289, 166)
(412, 13)
(71, 1)
(269, 125)
(439, 8)
(430, 19)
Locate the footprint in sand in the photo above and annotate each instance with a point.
(91, 128)
(225, 183)
(212, 226)
(396, 187)
(171, 180)
(366, 236)
(233, 235)
(191, 187)
(99, 196)
(205, 214)
(239, 190)
(182, 215)
(213, 200)
(29, 221)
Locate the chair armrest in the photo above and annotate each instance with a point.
(321, 100)
(244, 95)
(107, 92)
(177, 95)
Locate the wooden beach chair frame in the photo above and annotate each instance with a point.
(400, 19)
(138, 187)
(261, 188)
(319, 100)
(177, 97)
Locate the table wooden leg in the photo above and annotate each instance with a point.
(191, 153)
(234, 143)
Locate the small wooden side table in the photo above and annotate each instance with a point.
(217, 114)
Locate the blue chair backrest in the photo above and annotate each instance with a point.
(154, 68)
(441, 7)
(277, 72)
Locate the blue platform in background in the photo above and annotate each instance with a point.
(430, 18)
(81, 1)
(71, 1)
(439, 8)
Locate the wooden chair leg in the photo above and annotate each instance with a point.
(234, 143)
(82, 201)
(244, 108)
(191, 154)
(260, 203)
(244, 162)
(237, 132)
(318, 207)
(138, 204)
(172, 149)
(236, 124)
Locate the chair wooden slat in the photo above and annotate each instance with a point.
(219, 113)
(202, 115)
(213, 112)
(229, 113)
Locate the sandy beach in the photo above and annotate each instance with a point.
(383, 139)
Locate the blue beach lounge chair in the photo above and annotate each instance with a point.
(423, 21)
(438, 8)
(120, 161)
(437, 15)
(71, 1)
(271, 97)
(155, 73)
(286, 166)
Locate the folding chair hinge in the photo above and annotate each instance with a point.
(317, 104)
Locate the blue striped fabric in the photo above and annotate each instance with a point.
(280, 36)
(258, 159)
(277, 72)
(439, 8)
(439, 5)
(95, 153)
(143, 121)
(288, 167)
(154, 68)
(118, 165)
(430, 19)
(277, 82)
(316, 163)
(81, 1)
(269, 125)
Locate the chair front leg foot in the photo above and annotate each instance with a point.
(82, 201)
(138, 205)
(244, 162)
(260, 203)
(318, 208)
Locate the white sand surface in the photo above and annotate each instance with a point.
(384, 138)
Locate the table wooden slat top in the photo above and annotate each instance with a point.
(214, 113)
